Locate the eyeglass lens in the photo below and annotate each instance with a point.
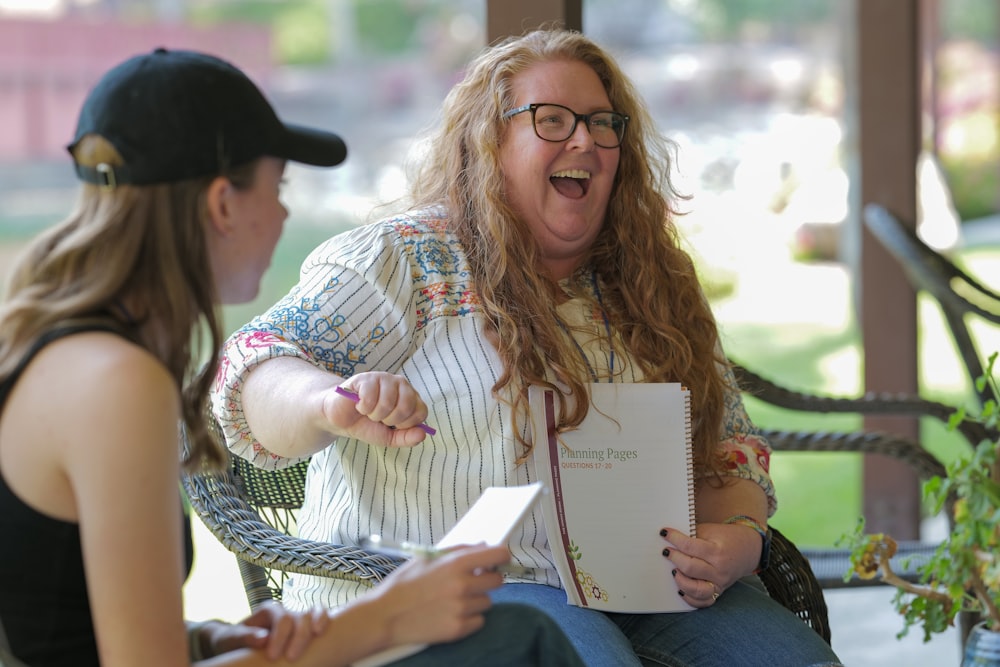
(557, 123)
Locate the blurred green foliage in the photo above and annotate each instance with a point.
(301, 27)
(387, 26)
(303, 33)
(969, 19)
(974, 185)
(727, 19)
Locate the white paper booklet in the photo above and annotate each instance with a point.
(490, 520)
(614, 483)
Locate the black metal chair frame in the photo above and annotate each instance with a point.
(958, 294)
(830, 564)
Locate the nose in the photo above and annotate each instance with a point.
(581, 138)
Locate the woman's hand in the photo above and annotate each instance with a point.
(271, 628)
(441, 599)
(707, 565)
(388, 410)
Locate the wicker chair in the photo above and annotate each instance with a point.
(252, 512)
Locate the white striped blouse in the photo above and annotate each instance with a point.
(396, 296)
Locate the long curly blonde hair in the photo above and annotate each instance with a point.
(650, 290)
(139, 244)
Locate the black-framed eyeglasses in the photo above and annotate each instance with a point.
(554, 122)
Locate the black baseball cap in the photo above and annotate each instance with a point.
(178, 115)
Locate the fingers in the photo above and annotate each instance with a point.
(295, 643)
(474, 568)
(387, 398)
(698, 593)
(441, 599)
(463, 571)
(694, 575)
(320, 619)
(681, 551)
(280, 632)
(480, 558)
(238, 636)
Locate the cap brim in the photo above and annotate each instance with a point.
(309, 146)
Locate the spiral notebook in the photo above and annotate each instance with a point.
(613, 483)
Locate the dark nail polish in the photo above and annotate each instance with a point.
(666, 552)
(673, 573)
(681, 593)
(663, 532)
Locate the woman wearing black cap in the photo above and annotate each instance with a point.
(182, 159)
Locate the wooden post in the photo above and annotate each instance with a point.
(514, 17)
(888, 61)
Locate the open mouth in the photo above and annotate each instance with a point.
(572, 183)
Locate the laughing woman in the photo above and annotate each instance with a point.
(539, 248)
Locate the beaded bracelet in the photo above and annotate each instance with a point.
(749, 522)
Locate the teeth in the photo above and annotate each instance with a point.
(571, 173)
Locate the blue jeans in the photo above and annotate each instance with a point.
(744, 627)
(515, 635)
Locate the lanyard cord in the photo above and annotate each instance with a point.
(607, 330)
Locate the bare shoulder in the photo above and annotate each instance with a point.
(106, 364)
(78, 411)
(93, 378)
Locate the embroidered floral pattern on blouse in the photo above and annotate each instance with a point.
(435, 284)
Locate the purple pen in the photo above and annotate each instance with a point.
(347, 393)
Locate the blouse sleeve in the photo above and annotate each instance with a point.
(348, 313)
(744, 451)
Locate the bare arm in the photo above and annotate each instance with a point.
(293, 410)
(715, 503)
(423, 602)
(283, 401)
(120, 456)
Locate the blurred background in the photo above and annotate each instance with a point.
(758, 96)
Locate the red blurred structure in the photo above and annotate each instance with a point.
(46, 68)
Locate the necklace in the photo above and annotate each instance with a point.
(607, 330)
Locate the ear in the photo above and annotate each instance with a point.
(218, 198)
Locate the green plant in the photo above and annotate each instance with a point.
(964, 572)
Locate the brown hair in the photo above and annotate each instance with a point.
(144, 244)
(650, 289)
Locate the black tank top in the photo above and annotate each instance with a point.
(44, 605)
